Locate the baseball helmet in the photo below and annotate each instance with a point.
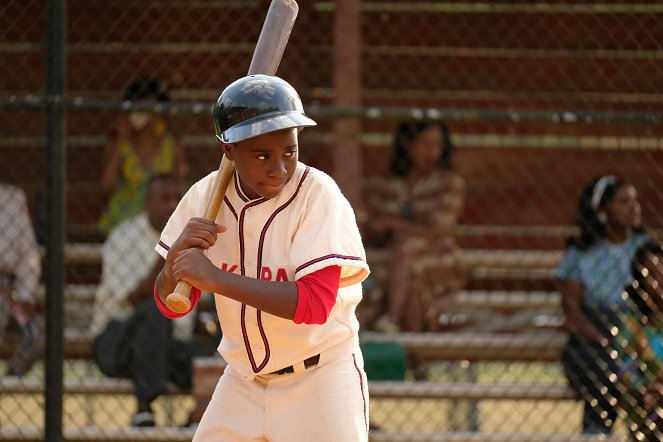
(256, 105)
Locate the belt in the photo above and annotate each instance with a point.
(308, 363)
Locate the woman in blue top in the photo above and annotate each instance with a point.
(639, 345)
(592, 275)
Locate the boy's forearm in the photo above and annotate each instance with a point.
(164, 285)
(276, 298)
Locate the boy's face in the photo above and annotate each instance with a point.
(265, 163)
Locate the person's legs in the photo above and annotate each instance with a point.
(604, 393)
(180, 361)
(414, 307)
(398, 281)
(110, 350)
(31, 347)
(5, 312)
(235, 412)
(130, 349)
(149, 347)
(588, 369)
(327, 403)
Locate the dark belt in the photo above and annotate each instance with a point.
(308, 363)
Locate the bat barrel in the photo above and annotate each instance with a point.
(273, 37)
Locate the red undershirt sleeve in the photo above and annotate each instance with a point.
(317, 295)
(168, 313)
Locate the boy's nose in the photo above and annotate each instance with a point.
(278, 168)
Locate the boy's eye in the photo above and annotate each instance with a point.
(291, 152)
(262, 156)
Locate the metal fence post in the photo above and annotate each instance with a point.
(55, 230)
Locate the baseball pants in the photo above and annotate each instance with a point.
(326, 402)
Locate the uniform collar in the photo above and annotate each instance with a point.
(286, 193)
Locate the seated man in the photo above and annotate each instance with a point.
(20, 273)
(132, 338)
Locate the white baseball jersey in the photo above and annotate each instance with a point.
(310, 225)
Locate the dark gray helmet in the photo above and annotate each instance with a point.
(256, 105)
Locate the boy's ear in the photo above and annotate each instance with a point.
(227, 150)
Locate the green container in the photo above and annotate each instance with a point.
(384, 361)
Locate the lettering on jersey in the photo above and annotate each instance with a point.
(266, 274)
(225, 268)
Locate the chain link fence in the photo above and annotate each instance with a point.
(537, 100)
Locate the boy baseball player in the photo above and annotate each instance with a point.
(285, 263)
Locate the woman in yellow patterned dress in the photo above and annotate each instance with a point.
(142, 146)
(412, 215)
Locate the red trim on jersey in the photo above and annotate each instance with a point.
(247, 343)
(361, 385)
(317, 295)
(163, 244)
(240, 192)
(230, 207)
(168, 313)
(268, 352)
(241, 235)
(322, 258)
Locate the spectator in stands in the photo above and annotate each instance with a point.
(20, 274)
(412, 214)
(132, 338)
(639, 344)
(141, 146)
(592, 275)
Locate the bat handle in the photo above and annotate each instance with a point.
(179, 301)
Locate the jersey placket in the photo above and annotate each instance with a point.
(255, 339)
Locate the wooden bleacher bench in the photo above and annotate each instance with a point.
(377, 389)
(507, 299)
(470, 346)
(468, 390)
(504, 311)
(539, 260)
(83, 253)
(85, 385)
(421, 436)
(101, 434)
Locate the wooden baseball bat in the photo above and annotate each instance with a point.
(267, 56)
